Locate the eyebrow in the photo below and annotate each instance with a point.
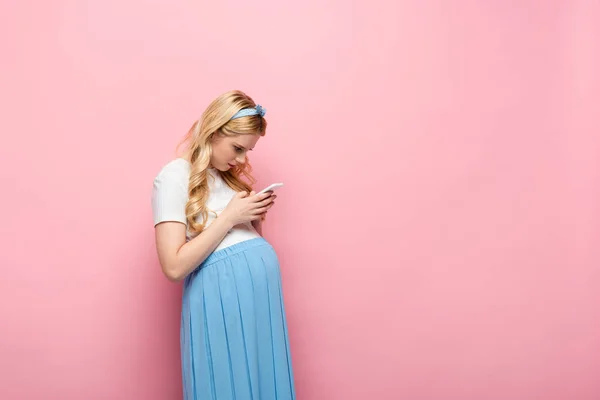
(239, 145)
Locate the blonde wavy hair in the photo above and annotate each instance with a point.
(216, 120)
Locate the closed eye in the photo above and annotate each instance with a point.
(238, 149)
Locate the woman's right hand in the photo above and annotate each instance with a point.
(245, 207)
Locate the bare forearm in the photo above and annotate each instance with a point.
(179, 258)
(193, 253)
(257, 224)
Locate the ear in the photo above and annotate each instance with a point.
(215, 135)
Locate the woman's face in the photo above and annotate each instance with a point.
(229, 151)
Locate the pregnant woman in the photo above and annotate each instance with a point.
(208, 227)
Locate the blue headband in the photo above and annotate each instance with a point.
(258, 110)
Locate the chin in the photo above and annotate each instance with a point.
(223, 168)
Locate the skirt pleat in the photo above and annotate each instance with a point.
(234, 337)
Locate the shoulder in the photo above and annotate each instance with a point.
(176, 171)
(169, 192)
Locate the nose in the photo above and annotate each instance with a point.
(241, 159)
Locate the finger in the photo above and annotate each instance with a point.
(262, 216)
(264, 203)
(261, 210)
(258, 202)
(252, 193)
(268, 200)
(264, 195)
(242, 194)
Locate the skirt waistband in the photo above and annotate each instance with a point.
(233, 249)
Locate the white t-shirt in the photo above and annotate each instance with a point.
(170, 195)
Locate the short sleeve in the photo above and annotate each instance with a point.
(169, 195)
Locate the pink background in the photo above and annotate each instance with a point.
(439, 229)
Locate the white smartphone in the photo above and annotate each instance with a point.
(271, 188)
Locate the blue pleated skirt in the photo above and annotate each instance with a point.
(234, 337)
